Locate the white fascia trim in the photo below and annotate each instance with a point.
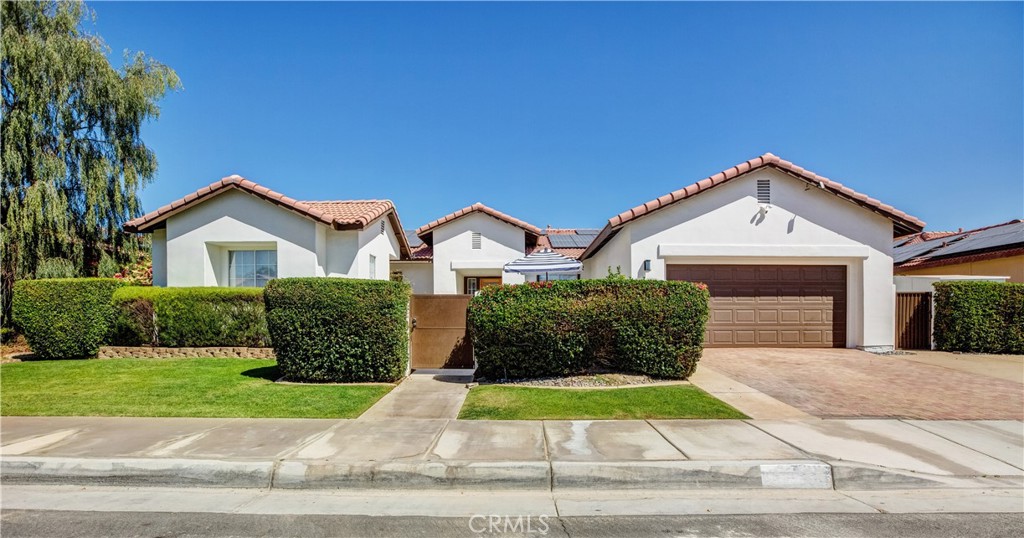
(765, 251)
(477, 264)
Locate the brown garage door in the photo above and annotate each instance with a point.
(772, 305)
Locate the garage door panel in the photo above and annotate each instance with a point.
(743, 337)
(748, 273)
(790, 338)
(789, 316)
(723, 337)
(745, 317)
(781, 305)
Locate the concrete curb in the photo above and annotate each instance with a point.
(777, 474)
(863, 477)
(511, 475)
(480, 475)
(136, 472)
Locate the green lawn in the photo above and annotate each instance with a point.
(172, 388)
(496, 402)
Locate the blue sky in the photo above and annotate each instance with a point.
(567, 114)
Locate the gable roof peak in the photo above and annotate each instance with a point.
(339, 214)
(902, 223)
(478, 207)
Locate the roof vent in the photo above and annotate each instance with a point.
(764, 191)
(476, 240)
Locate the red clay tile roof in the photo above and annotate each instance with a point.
(352, 212)
(340, 215)
(903, 223)
(914, 239)
(423, 251)
(477, 208)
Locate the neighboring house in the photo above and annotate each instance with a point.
(237, 233)
(992, 251)
(791, 258)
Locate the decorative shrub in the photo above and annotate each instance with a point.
(569, 327)
(64, 318)
(339, 330)
(986, 317)
(189, 317)
(526, 331)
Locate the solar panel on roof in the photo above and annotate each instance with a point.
(902, 254)
(570, 240)
(985, 239)
(414, 240)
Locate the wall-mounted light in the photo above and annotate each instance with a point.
(647, 265)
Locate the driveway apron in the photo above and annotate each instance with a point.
(847, 383)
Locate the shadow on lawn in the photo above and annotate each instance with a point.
(270, 373)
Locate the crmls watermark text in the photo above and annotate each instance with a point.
(500, 524)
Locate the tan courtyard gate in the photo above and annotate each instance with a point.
(439, 335)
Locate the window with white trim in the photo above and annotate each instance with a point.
(373, 266)
(251, 268)
(472, 286)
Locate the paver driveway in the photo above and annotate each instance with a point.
(839, 383)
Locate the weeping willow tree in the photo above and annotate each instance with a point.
(72, 157)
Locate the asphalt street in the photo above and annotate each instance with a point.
(38, 523)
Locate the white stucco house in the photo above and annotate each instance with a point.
(791, 258)
(237, 233)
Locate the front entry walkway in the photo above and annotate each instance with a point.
(423, 395)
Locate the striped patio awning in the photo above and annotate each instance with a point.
(544, 261)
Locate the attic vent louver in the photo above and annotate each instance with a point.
(764, 191)
(476, 240)
(382, 227)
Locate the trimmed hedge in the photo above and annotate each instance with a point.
(189, 317)
(985, 317)
(64, 318)
(339, 330)
(569, 327)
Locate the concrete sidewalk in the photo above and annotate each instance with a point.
(508, 455)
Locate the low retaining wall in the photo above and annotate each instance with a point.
(143, 352)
